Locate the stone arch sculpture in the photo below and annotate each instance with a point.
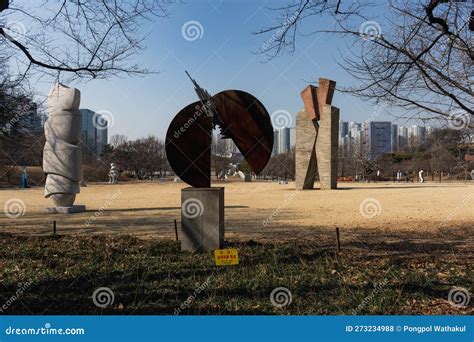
(317, 131)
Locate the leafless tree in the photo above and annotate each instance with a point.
(142, 156)
(281, 166)
(83, 39)
(118, 139)
(21, 139)
(219, 154)
(418, 56)
(441, 151)
(447, 149)
(87, 39)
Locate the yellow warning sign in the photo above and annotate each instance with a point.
(228, 256)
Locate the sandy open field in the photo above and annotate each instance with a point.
(259, 210)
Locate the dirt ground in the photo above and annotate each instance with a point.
(258, 211)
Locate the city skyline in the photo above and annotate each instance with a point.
(378, 137)
(94, 133)
(394, 136)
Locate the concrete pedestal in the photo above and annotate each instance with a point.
(66, 210)
(202, 219)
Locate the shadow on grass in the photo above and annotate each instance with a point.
(150, 277)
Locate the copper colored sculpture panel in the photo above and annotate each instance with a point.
(240, 117)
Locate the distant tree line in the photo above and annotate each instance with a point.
(280, 166)
(20, 143)
(441, 156)
(142, 158)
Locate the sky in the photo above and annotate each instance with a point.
(220, 56)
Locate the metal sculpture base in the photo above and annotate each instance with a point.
(202, 219)
(66, 210)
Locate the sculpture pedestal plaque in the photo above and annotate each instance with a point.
(202, 219)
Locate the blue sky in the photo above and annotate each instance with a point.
(221, 59)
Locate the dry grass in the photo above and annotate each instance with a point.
(150, 277)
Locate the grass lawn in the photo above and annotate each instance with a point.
(58, 275)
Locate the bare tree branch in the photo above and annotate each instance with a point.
(418, 56)
(88, 39)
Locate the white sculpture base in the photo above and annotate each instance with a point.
(66, 210)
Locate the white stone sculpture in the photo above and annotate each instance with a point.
(62, 154)
(113, 174)
(420, 176)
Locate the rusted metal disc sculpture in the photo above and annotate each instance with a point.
(240, 117)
